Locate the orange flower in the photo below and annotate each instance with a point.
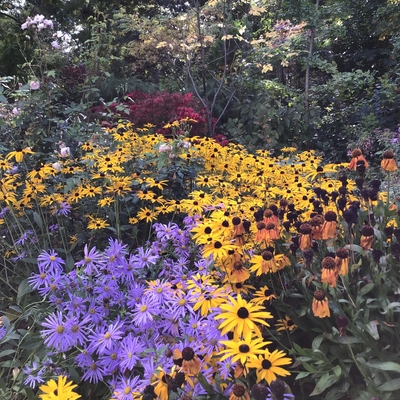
(190, 362)
(316, 223)
(388, 163)
(357, 156)
(329, 271)
(342, 261)
(305, 241)
(320, 305)
(329, 226)
(367, 237)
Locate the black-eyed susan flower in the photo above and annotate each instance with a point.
(241, 317)
(97, 223)
(263, 264)
(18, 154)
(268, 365)
(218, 249)
(320, 305)
(262, 295)
(285, 324)
(146, 214)
(59, 390)
(244, 349)
(238, 272)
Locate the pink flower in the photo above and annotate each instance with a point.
(34, 85)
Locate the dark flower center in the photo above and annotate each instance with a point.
(244, 348)
(266, 364)
(243, 313)
(217, 245)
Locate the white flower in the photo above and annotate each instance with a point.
(16, 110)
(57, 166)
(165, 148)
(65, 151)
(34, 85)
(55, 45)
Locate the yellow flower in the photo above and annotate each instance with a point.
(97, 223)
(244, 349)
(146, 214)
(285, 324)
(241, 317)
(60, 390)
(268, 365)
(18, 154)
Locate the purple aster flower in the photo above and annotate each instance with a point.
(84, 359)
(54, 283)
(92, 261)
(144, 311)
(75, 305)
(226, 368)
(4, 211)
(115, 253)
(56, 334)
(195, 326)
(105, 336)
(20, 256)
(62, 208)
(50, 260)
(106, 287)
(34, 374)
(164, 232)
(77, 330)
(54, 227)
(94, 373)
(96, 312)
(129, 352)
(42, 279)
(3, 332)
(144, 258)
(110, 359)
(24, 237)
(180, 304)
(158, 290)
(125, 388)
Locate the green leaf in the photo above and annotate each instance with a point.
(51, 73)
(390, 386)
(38, 219)
(206, 386)
(317, 342)
(23, 289)
(6, 352)
(367, 288)
(302, 375)
(326, 381)
(384, 365)
(372, 329)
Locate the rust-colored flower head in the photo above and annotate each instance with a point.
(320, 305)
(342, 253)
(236, 221)
(305, 229)
(388, 163)
(317, 220)
(330, 216)
(260, 225)
(356, 153)
(268, 213)
(238, 265)
(259, 391)
(269, 226)
(328, 263)
(367, 230)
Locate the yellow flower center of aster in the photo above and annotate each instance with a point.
(182, 302)
(127, 390)
(52, 258)
(143, 308)
(60, 329)
(88, 259)
(113, 356)
(107, 335)
(75, 328)
(159, 290)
